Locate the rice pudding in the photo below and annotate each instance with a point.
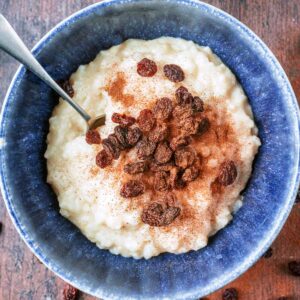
(167, 169)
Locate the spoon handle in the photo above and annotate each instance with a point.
(11, 43)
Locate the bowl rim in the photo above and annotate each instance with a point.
(263, 245)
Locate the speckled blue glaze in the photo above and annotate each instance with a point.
(268, 198)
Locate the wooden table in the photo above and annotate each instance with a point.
(277, 22)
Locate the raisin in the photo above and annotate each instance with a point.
(122, 119)
(154, 167)
(180, 141)
(189, 126)
(182, 112)
(294, 268)
(175, 180)
(103, 159)
(190, 174)
(174, 73)
(268, 253)
(203, 126)
(163, 108)
(145, 148)
(133, 136)
(121, 134)
(111, 148)
(92, 137)
(153, 214)
(68, 88)
(228, 173)
(197, 104)
(184, 157)
(163, 153)
(114, 140)
(160, 214)
(146, 68)
(183, 96)
(159, 133)
(70, 293)
(137, 167)
(230, 294)
(161, 181)
(132, 188)
(146, 120)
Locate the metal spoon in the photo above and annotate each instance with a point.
(11, 43)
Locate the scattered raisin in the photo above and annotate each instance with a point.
(122, 119)
(161, 181)
(92, 137)
(183, 96)
(268, 253)
(294, 268)
(189, 126)
(115, 141)
(145, 148)
(155, 167)
(133, 136)
(203, 126)
(121, 134)
(132, 188)
(70, 293)
(159, 133)
(68, 88)
(181, 113)
(190, 174)
(111, 148)
(174, 73)
(137, 167)
(228, 173)
(197, 104)
(163, 153)
(146, 68)
(180, 141)
(163, 108)
(184, 157)
(230, 294)
(103, 159)
(146, 120)
(159, 214)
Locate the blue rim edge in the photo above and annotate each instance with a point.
(294, 185)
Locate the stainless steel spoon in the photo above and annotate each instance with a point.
(11, 43)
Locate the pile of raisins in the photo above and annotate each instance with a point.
(168, 163)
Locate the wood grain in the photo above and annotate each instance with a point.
(277, 22)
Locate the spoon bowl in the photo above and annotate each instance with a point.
(94, 123)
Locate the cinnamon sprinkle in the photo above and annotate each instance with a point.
(116, 90)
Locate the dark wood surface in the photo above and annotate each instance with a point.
(277, 22)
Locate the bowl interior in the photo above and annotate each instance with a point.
(267, 199)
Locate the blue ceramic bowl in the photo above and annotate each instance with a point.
(268, 198)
